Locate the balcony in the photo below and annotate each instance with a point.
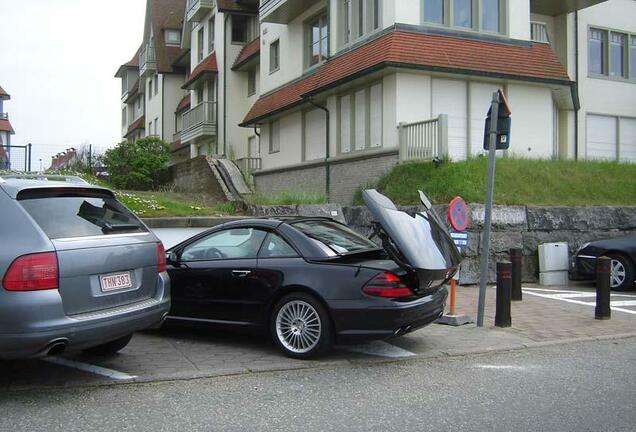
(197, 9)
(199, 123)
(539, 32)
(559, 7)
(4, 116)
(283, 11)
(147, 60)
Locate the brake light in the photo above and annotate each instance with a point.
(387, 285)
(34, 272)
(161, 258)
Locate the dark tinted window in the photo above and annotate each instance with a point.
(337, 237)
(276, 247)
(67, 214)
(234, 243)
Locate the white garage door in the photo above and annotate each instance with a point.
(449, 97)
(601, 137)
(627, 140)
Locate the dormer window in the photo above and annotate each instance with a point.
(173, 37)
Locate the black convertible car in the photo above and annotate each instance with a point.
(313, 282)
(621, 250)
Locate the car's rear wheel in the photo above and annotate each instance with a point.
(622, 273)
(301, 327)
(110, 347)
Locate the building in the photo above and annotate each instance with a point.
(366, 84)
(6, 130)
(152, 80)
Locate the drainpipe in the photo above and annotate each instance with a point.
(225, 18)
(327, 145)
(576, 61)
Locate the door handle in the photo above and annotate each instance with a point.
(240, 273)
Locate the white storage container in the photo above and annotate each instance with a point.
(553, 257)
(555, 278)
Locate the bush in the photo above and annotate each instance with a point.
(134, 165)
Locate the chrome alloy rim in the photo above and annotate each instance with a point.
(298, 326)
(618, 273)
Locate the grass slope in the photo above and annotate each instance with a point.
(517, 182)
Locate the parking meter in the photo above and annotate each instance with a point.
(504, 123)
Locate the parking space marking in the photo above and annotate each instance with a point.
(380, 349)
(566, 296)
(97, 370)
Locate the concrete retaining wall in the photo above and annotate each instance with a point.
(197, 176)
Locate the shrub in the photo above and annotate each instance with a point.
(134, 165)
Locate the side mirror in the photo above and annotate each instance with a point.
(173, 259)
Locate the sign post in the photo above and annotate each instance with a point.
(496, 139)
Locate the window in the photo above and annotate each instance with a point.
(150, 89)
(463, 13)
(254, 147)
(338, 238)
(434, 11)
(251, 82)
(124, 83)
(211, 90)
(274, 136)
(632, 58)
(359, 17)
(490, 15)
(274, 56)
(227, 244)
(211, 34)
(346, 13)
(596, 55)
(123, 117)
(173, 37)
(200, 45)
(156, 124)
(317, 34)
(314, 134)
(199, 92)
(138, 104)
(239, 28)
(617, 55)
(156, 84)
(360, 117)
(276, 247)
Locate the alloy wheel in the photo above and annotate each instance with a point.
(618, 273)
(298, 326)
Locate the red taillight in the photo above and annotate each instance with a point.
(161, 258)
(32, 273)
(387, 285)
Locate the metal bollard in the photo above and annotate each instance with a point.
(516, 257)
(603, 275)
(504, 288)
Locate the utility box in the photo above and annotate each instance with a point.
(553, 264)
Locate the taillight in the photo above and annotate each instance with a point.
(32, 273)
(161, 258)
(387, 285)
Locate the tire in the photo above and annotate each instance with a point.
(301, 327)
(111, 347)
(623, 273)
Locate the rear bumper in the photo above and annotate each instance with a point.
(357, 322)
(81, 332)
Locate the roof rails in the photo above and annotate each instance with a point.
(44, 177)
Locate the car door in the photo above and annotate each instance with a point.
(210, 276)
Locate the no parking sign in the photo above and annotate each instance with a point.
(458, 215)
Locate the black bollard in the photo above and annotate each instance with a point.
(504, 288)
(603, 275)
(516, 256)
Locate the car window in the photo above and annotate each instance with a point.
(65, 214)
(276, 247)
(337, 237)
(227, 244)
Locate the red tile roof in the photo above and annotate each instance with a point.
(5, 126)
(166, 14)
(184, 104)
(140, 123)
(433, 52)
(242, 6)
(208, 65)
(133, 63)
(249, 52)
(4, 95)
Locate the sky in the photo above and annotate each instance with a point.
(58, 59)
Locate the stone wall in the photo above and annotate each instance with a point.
(197, 176)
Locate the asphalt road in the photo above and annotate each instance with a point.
(576, 387)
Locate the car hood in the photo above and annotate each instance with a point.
(422, 241)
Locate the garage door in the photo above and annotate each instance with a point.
(449, 97)
(627, 140)
(601, 137)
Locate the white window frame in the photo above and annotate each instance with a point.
(200, 45)
(628, 53)
(477, 8)
(321, 18)
(211, 35)
(175, 42)
(358, 19)
(251, 82)
(274, 56)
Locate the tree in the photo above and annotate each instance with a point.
(135, 165)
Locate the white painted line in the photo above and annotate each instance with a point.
(553, 297)
(575, 295)
(381, 349)
(98, 370)
(623, 303)
(501, 367)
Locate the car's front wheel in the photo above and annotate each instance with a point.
(622, 271)
(110, 347)
(301, 327)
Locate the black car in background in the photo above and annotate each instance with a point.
(621, 250)
(313, 282)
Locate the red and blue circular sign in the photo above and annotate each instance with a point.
(458, 214)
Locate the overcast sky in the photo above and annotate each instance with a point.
(58, 59)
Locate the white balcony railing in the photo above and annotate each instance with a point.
(147, 59)
(539, 32)
(425, 140)
(197, 9)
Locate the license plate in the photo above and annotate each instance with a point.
(115, 281)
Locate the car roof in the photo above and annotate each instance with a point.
(13, 185)
(272, 221)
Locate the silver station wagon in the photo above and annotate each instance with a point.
(79, 271)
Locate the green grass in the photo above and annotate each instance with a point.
(518, 182)
(164, 204)
(287, 198)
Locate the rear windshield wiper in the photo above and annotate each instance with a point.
(119, 227)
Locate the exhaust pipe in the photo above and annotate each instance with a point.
(56, 348)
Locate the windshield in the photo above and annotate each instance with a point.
(337, 237)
